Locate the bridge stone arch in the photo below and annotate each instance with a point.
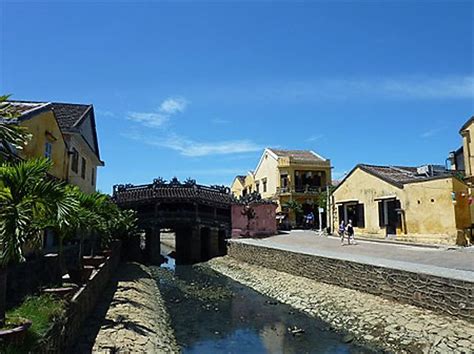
(199, 215)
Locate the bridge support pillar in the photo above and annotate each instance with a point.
(214, 242)
(188, 245)
(195, 245)
(153, 246)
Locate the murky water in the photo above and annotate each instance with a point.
(213, 314)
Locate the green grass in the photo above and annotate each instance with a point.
(42, 310)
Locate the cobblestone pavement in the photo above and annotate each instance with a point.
(131, 318)
(365, 318)
(456, 262)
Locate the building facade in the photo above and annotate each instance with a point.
(287, 175)
(66, 134)
(424, 204)
(77, 124)
(46, 137)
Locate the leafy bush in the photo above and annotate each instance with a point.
(43, 311)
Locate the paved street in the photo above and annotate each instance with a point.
(452, 262)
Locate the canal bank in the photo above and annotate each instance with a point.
(130, 318)
(365, 318)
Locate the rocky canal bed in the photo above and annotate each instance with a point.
(131, 318)
(363, 318)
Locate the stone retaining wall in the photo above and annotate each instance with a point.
(64, 333)
(27, 277)
(451, 296)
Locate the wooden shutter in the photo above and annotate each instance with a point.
(360, 216)
(399, 215)
(381, 223)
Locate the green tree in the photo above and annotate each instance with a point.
(294, 207)
(29, 197)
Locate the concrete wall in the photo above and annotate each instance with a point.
(264, 223)
(449, 296)
(44, 128)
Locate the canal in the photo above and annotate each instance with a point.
(211, 313)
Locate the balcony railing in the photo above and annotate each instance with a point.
(300, 189)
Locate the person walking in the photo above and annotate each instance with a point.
(350, 233)
(342, 230)
(310, 220)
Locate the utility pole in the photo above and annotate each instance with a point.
(328, 210)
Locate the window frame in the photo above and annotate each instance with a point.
(83, 168)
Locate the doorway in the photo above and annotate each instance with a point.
(389, 216)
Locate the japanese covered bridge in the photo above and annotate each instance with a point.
(199, 215)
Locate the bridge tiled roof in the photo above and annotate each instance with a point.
(130, 194)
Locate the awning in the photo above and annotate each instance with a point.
(386, 197)
(347, 201)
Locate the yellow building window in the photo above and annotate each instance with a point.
(48, 150)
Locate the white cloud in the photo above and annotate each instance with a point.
(430, 133)
(315, 138)
(149, 119)
(105, 113)
(408, 87)
(220, 121)
(211, 171)
(173, 105)
(156, 119)
(191, 148)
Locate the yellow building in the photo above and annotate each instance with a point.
(464, 157)
(287, 175)
(65, 133)
(77, 123)
(46, 137)
(425, 204)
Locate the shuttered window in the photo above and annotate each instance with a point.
(360, 221)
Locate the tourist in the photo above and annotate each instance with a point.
(350, 233)
(342, 230)
(310, 220)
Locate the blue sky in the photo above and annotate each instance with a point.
(199, 89)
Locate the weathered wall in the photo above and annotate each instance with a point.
(429, 208)
(64, 333)
(43, 128)
(264, 223)
(27, 277)
(86, 184)
(439, 294)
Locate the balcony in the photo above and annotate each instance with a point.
(307, 189)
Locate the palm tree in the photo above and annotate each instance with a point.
(11, 134)
(295, 207)
(28, 198)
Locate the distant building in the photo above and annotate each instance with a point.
(287, 175)
(65, 133)
(426, 204)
